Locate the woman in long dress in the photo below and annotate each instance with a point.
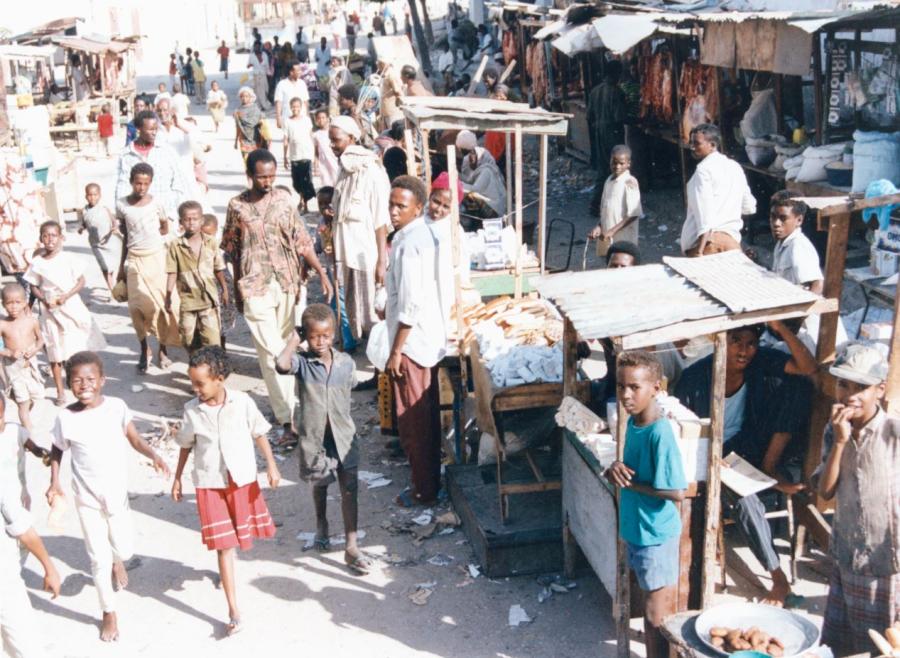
(248, 118)
(216, 101)
(144, 223)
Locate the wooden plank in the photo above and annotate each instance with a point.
(570, 357)
(892, 392)
(542, 204)
(622, 607)
(835, 264)
(860, 204)
(507, 72)
(477, 77)
(520, 213)
(426, 159)
(509, 178)
(691, 328)
(529, 487)
(818, 86)
(713, 483)
(410, 145)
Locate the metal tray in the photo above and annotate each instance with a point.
(797, 633)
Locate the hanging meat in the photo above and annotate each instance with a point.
(656, 87)
(699, 89)
(536, 66)
(510, 47)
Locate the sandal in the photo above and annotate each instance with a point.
(361, 566)
(322, 544)
(233, 627)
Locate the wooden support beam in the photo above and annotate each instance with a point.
(859, 204)
(892, 392)
(426, 158)
(622, 607)
(713, 481)
(456, 237)
(409, 144)
(570, 357)
(509, 176)
(520, 212)
(542, 204)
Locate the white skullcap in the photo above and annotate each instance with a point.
(466, 140)
(348, 125)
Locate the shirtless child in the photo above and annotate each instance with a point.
(22, 341)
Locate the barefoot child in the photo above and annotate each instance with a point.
(96, 429)
(860, 469)
(103, 234)
(326, 163)
(105, 126)
(328, 446)
(56, 279)
(221, 425)
(194, 262)
(227, 311)
(620, 205)
(651, 480)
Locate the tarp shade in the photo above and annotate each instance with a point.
(757, 45)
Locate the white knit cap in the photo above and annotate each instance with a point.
(466, 140)
(348, 125)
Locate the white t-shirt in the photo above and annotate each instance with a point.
(257, 66)
(97, 440)
(796, 259)
(180, 105)
(298, 133)
(621, 199)
(285, 91)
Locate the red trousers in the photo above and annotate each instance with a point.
(419, 426)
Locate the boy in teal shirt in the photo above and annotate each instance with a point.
(651, 479)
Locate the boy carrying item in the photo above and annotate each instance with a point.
(651, 479)
(328, 446)
(195, 263)
(861, 469)
(620, 206)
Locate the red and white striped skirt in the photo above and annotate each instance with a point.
(233, 516)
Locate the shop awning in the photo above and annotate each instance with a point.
(615, 32)
(91, 46)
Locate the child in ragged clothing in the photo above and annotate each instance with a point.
(96, 429)
(220, 426)
(227, 310)
(328, 446)
(860, 469)
(651, 480)
(194, 262)
(103, 234)
(56, 278)
(326, 164)
(105, 126)
(22, 341)
(620, 205)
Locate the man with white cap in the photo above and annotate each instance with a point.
(861, 469)
(361, 222)
(479, 172)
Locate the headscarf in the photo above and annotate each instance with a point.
(442, 182)
(248, 116)
(466, 140)
(348, 125)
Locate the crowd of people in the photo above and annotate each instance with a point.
(382, 251)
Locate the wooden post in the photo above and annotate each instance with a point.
(622, 604)
(509, 175)
(456, 238)
(477, 77)
(570, 357)
(817, 85)
(507, 72)
(682, 160)
(835, 263)
(713, 483)
(410, 145)
(542, 203)
(519, 212)
(426, 159)
(892, 394)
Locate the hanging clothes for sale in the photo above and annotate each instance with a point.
(699, 89)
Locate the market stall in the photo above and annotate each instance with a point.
(642, 307)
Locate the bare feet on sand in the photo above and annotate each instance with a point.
(781, 588)
(109, 630)
(119, 575)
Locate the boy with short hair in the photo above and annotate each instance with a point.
(620, 205)
(794, 258)
(651, 479)
(194, 262)
(328, 445)
(299, 152)
(861, 469)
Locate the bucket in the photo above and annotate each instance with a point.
(839, 174)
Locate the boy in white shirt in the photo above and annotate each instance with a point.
(620, 206)
(96, 428)
(299, 151)
(795, 258)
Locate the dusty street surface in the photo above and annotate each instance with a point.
(291, 599)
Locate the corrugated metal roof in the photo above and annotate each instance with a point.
(441, 112)
(91, 46)
(621, 302)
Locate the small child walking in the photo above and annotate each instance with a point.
(96, 429)
(326, 164)
(103, 234)
(860, 469)
(22, 341)
(105, 126)
(56, 278)
(221, 425)
(299, 152)
(328, 446)
(194, 262)
(227, 309)
(620, 205)
(651, 480)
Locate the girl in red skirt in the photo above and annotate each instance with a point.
(220, 426)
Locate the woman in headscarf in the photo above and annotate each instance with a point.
(248, 119)
(479, 172)
(338, 76)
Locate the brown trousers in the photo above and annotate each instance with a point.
(716, 244)
(419, 426)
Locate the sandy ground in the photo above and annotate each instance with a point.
(289, 597)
